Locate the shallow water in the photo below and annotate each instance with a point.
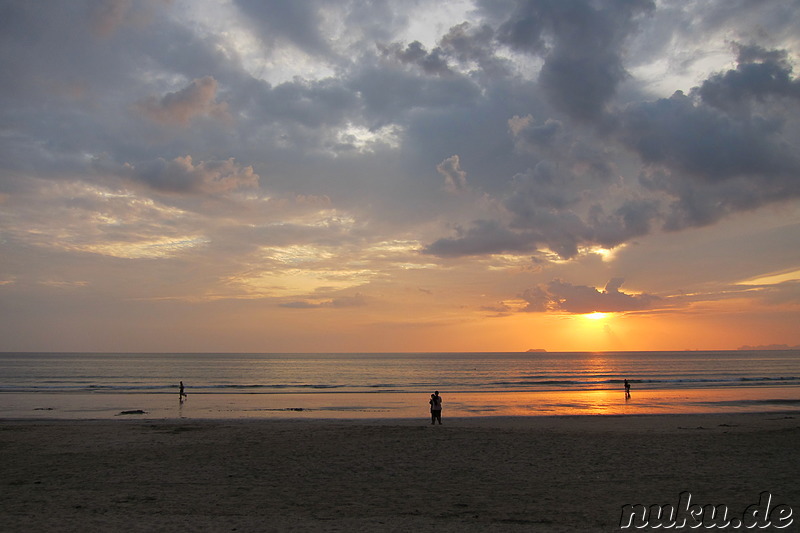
(395, 385)
(398, 405)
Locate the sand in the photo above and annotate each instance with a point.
(476, 474)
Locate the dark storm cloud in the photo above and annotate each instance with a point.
(296, 22)
(715, 133)
(540, 143)
(557, 203)
(464, 46)
(540, 202)
(760, 75)
(634, 218)
(531, 137)
(313, 104)
(183, 175)
(726, 146)
(702, 142)
(558, 295)
(475, 47)
(415, 53)
(389, 94)
(485, 237)
(562, 232)
(545, 185)
(581, 43)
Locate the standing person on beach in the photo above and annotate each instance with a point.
(182, 394)
(436, 408)
(627, 389)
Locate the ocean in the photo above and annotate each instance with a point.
(395, 385)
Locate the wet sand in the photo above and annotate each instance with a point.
(471, 474)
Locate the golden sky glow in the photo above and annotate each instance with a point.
(595, 316)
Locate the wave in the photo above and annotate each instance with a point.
(275, 386)
(313, 409)
(760, 401)
(471, 384)
(672, 381)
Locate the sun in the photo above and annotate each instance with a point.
(595, 316)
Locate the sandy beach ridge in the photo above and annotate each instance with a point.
(561, 473)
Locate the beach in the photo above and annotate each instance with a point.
(560, 473)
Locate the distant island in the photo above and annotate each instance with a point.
(537, 350)
(769, 347)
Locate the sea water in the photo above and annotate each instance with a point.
(386, 385)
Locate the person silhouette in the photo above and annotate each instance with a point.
(182, 394)
(627, 389)
(436, 408)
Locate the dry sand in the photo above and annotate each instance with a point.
(478, 474)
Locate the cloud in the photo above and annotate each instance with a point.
(557, 208)
(356, 300)
(182, 175)
(485, 237)
(475, 46)
(302, 145)
(415, 53)
(180, 107)
(530, 137)
(389, 94)
(455, 179)
(581, 43)
(107, 15)
(760, 74)
(297, 23)
(723, 148)
(314, 104)
(558, 295)
(699, 141)
(634, 218)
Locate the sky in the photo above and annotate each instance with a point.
(375, 175)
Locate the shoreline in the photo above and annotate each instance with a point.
(341, 405)
(456, 421)
(542, 473)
